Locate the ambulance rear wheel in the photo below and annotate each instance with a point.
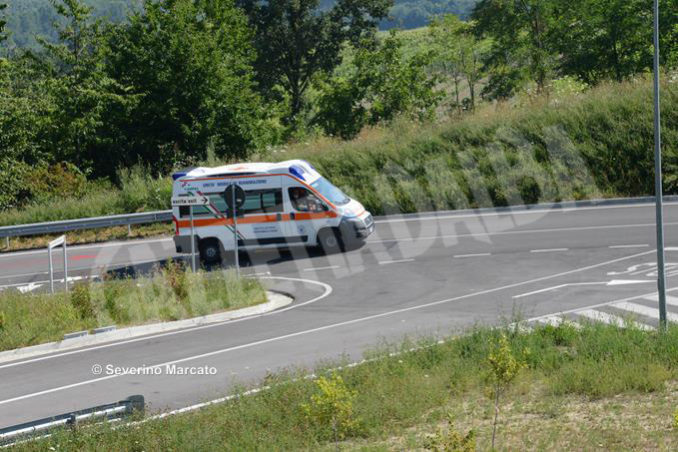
(330, 241)
(210, 252)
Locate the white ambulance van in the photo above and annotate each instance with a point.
(287, 204)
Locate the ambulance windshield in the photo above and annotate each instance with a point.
(329, 191)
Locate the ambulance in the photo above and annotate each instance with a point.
(287, 204)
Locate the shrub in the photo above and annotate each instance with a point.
(331, 408)
(450, 440)
(81, 299)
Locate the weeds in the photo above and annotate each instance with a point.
(171, 294)
(331, 409)
(504, 368)
(450, 440)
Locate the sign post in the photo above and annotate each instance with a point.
(190, 201)
(659, 214)
(234, 196)
(61, 241)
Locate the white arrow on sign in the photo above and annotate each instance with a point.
(190, 201)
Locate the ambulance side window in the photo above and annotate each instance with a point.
(263, 201)
(304, 201)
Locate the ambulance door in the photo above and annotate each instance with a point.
(308, 214)
(260, 218)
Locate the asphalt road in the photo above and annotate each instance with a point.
(430, 275)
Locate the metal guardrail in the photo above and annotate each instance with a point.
(58, 227)
(42, 427)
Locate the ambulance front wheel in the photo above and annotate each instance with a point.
(330, 241)
(210, 251)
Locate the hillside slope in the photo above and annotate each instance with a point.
(591, 145)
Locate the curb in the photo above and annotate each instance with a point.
(275, 301)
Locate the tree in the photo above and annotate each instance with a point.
(603, 39)
(82, 91)
(190, 61)
(3, 22)
(382, 84)
(521, 47)
(458, 53)
(295, 41)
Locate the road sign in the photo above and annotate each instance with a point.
(190, 201)
(239, 197)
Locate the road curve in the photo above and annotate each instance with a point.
(427, 275)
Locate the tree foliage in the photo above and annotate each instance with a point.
(190, 63)
(382, 84)
(295, 41)
(458, 54)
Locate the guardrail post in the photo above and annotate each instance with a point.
(129, 230)
(65, 266)
(135, 404)
(7, 242)
(72, 421)
(51, 271)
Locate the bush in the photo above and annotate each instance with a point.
(331, 408)
(81, 299)
(450, 440)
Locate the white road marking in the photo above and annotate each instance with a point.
(557, 321)
(461, 256)
(548, 250)
(628, 246)
(527, 231)
(647, 311)
(540, 211)
(330, 267)
(400, 261)
(328, 291)
(614, 282)
(604, 317)
(600, 305)
(305, 332)
(673, 301)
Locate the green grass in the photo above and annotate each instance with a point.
(169, 294)
(598, 388)
(578, 146)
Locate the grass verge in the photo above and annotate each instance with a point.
(600, 387)
(89, 236)
(169, 294)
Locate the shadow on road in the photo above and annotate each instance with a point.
(269, 257)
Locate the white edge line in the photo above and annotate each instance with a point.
(330, 267)
(460, 256)
(541, 211)
(399, 261)
(628, 246)
(327, 327)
